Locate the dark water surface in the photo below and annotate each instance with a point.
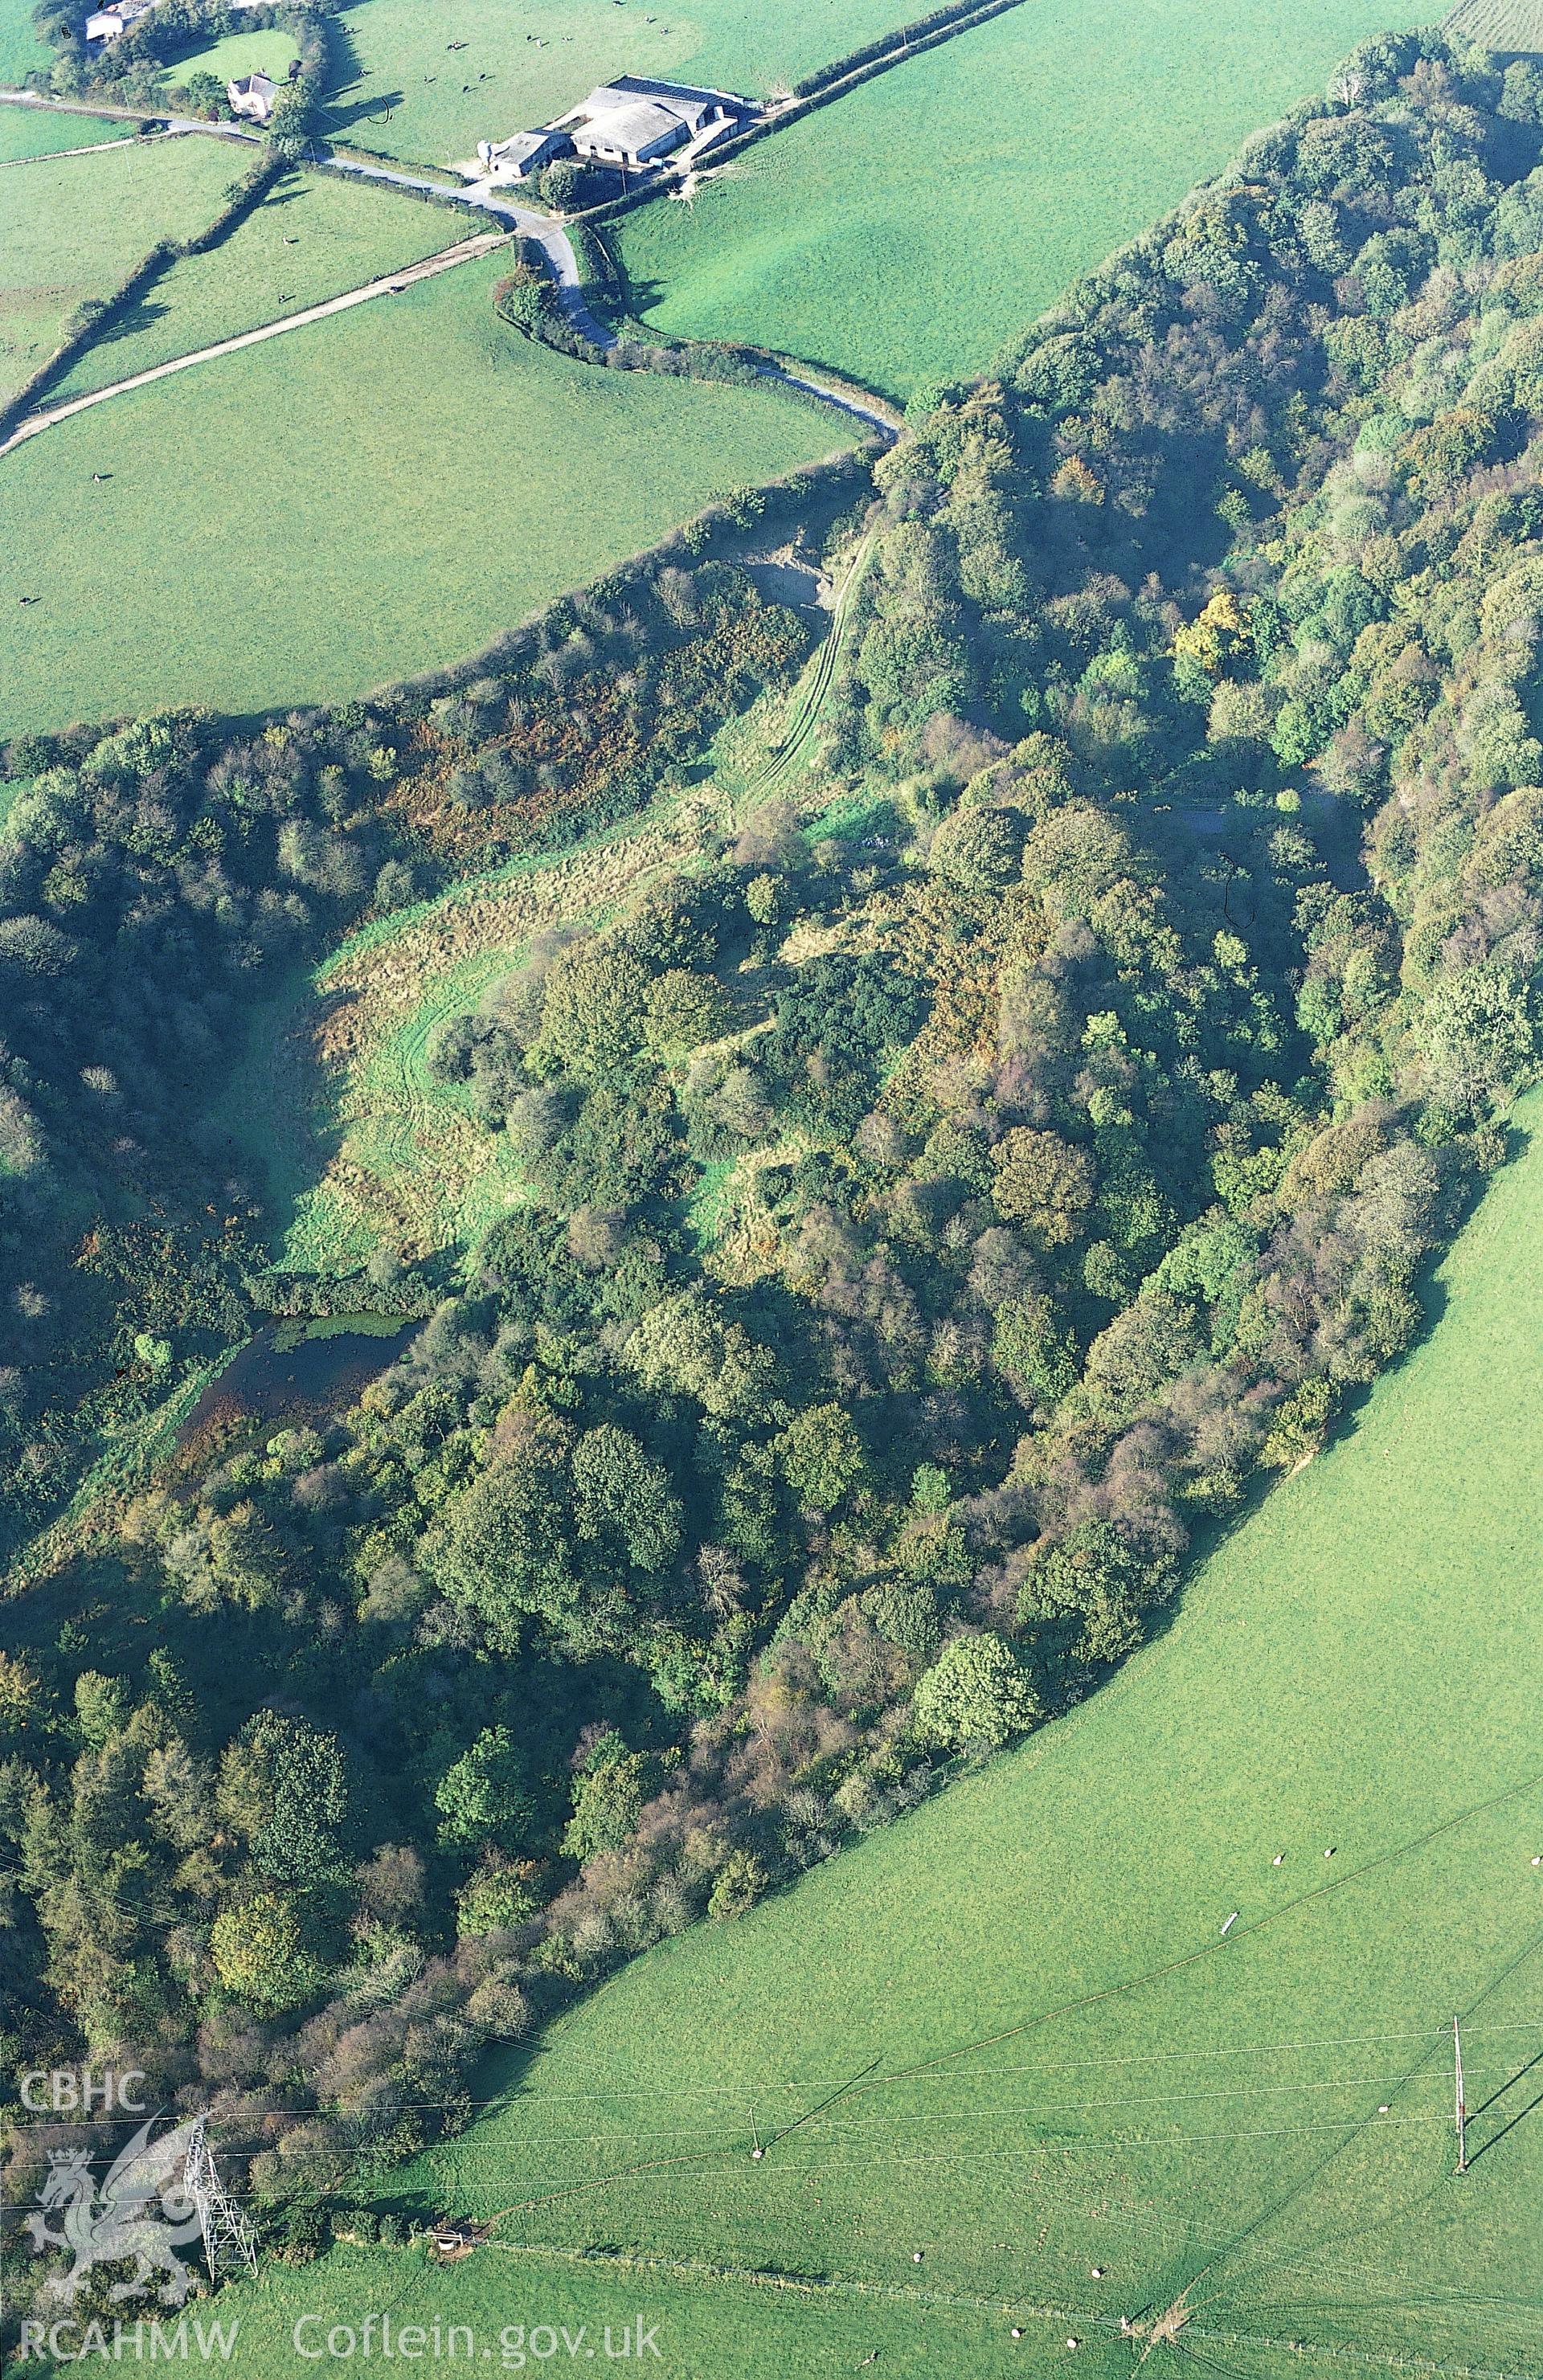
(300, 1367)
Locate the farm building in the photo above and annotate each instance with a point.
(630, 124)
(634, 122)
(522, 153)
(252, 96)
(106, 24)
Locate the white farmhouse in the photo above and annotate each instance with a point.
(522, 154)
(252, 96)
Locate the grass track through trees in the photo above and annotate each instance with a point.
(379, 493)
(337, 1101)
(1352, 1673)
(912, 227)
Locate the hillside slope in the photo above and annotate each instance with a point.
(1355, 1669)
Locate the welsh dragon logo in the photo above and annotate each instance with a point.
(121, 2220)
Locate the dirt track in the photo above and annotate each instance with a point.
(480, 243)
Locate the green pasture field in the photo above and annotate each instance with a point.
(262, 49)
(908, 229)
(72, 227)
(21, 53)
(404, 90)
(1156, 2012)
(315, 236)
(370, 495)
(43, 131)
(694, 2327)
(1502, 25)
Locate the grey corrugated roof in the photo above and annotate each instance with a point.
(636, 127)
(520, 145)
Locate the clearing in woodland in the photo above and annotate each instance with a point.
(905, 232)
(372, 495)
(358, 1142)
(1016, 2052)
(71, 228)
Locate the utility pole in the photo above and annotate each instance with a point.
(1462, 2111)
(228, 2242)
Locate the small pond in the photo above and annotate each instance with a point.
(300, 1367)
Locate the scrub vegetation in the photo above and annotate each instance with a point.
(872, 1251)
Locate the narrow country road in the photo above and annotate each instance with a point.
(481, 243)
(544, 232)
(541, 230)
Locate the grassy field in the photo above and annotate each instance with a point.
(21, 53)
(373, 494)
(71, 227)
(405, 90)
(1022, 2036)
(42, 131)
(694, 2328)
(262, 49)
(1501, 24)
(909, 229)
(314, 237)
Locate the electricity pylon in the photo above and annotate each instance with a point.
(229, 2245)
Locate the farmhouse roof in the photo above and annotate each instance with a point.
(255, 86)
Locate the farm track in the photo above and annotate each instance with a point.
(543, 231)
(92, 149)
(387, 285)
(809, 705)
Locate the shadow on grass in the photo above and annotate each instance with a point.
(374, 107)
(142, 315)
(278, 1117)
(1513, 2116)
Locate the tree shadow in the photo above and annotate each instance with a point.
(364, 111)
(142, 315)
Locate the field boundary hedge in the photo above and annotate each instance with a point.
(736, 363)
(921, 32)
(843, 75)
(100, 314)
(691, 544)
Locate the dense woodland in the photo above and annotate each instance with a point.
(943, 1207)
